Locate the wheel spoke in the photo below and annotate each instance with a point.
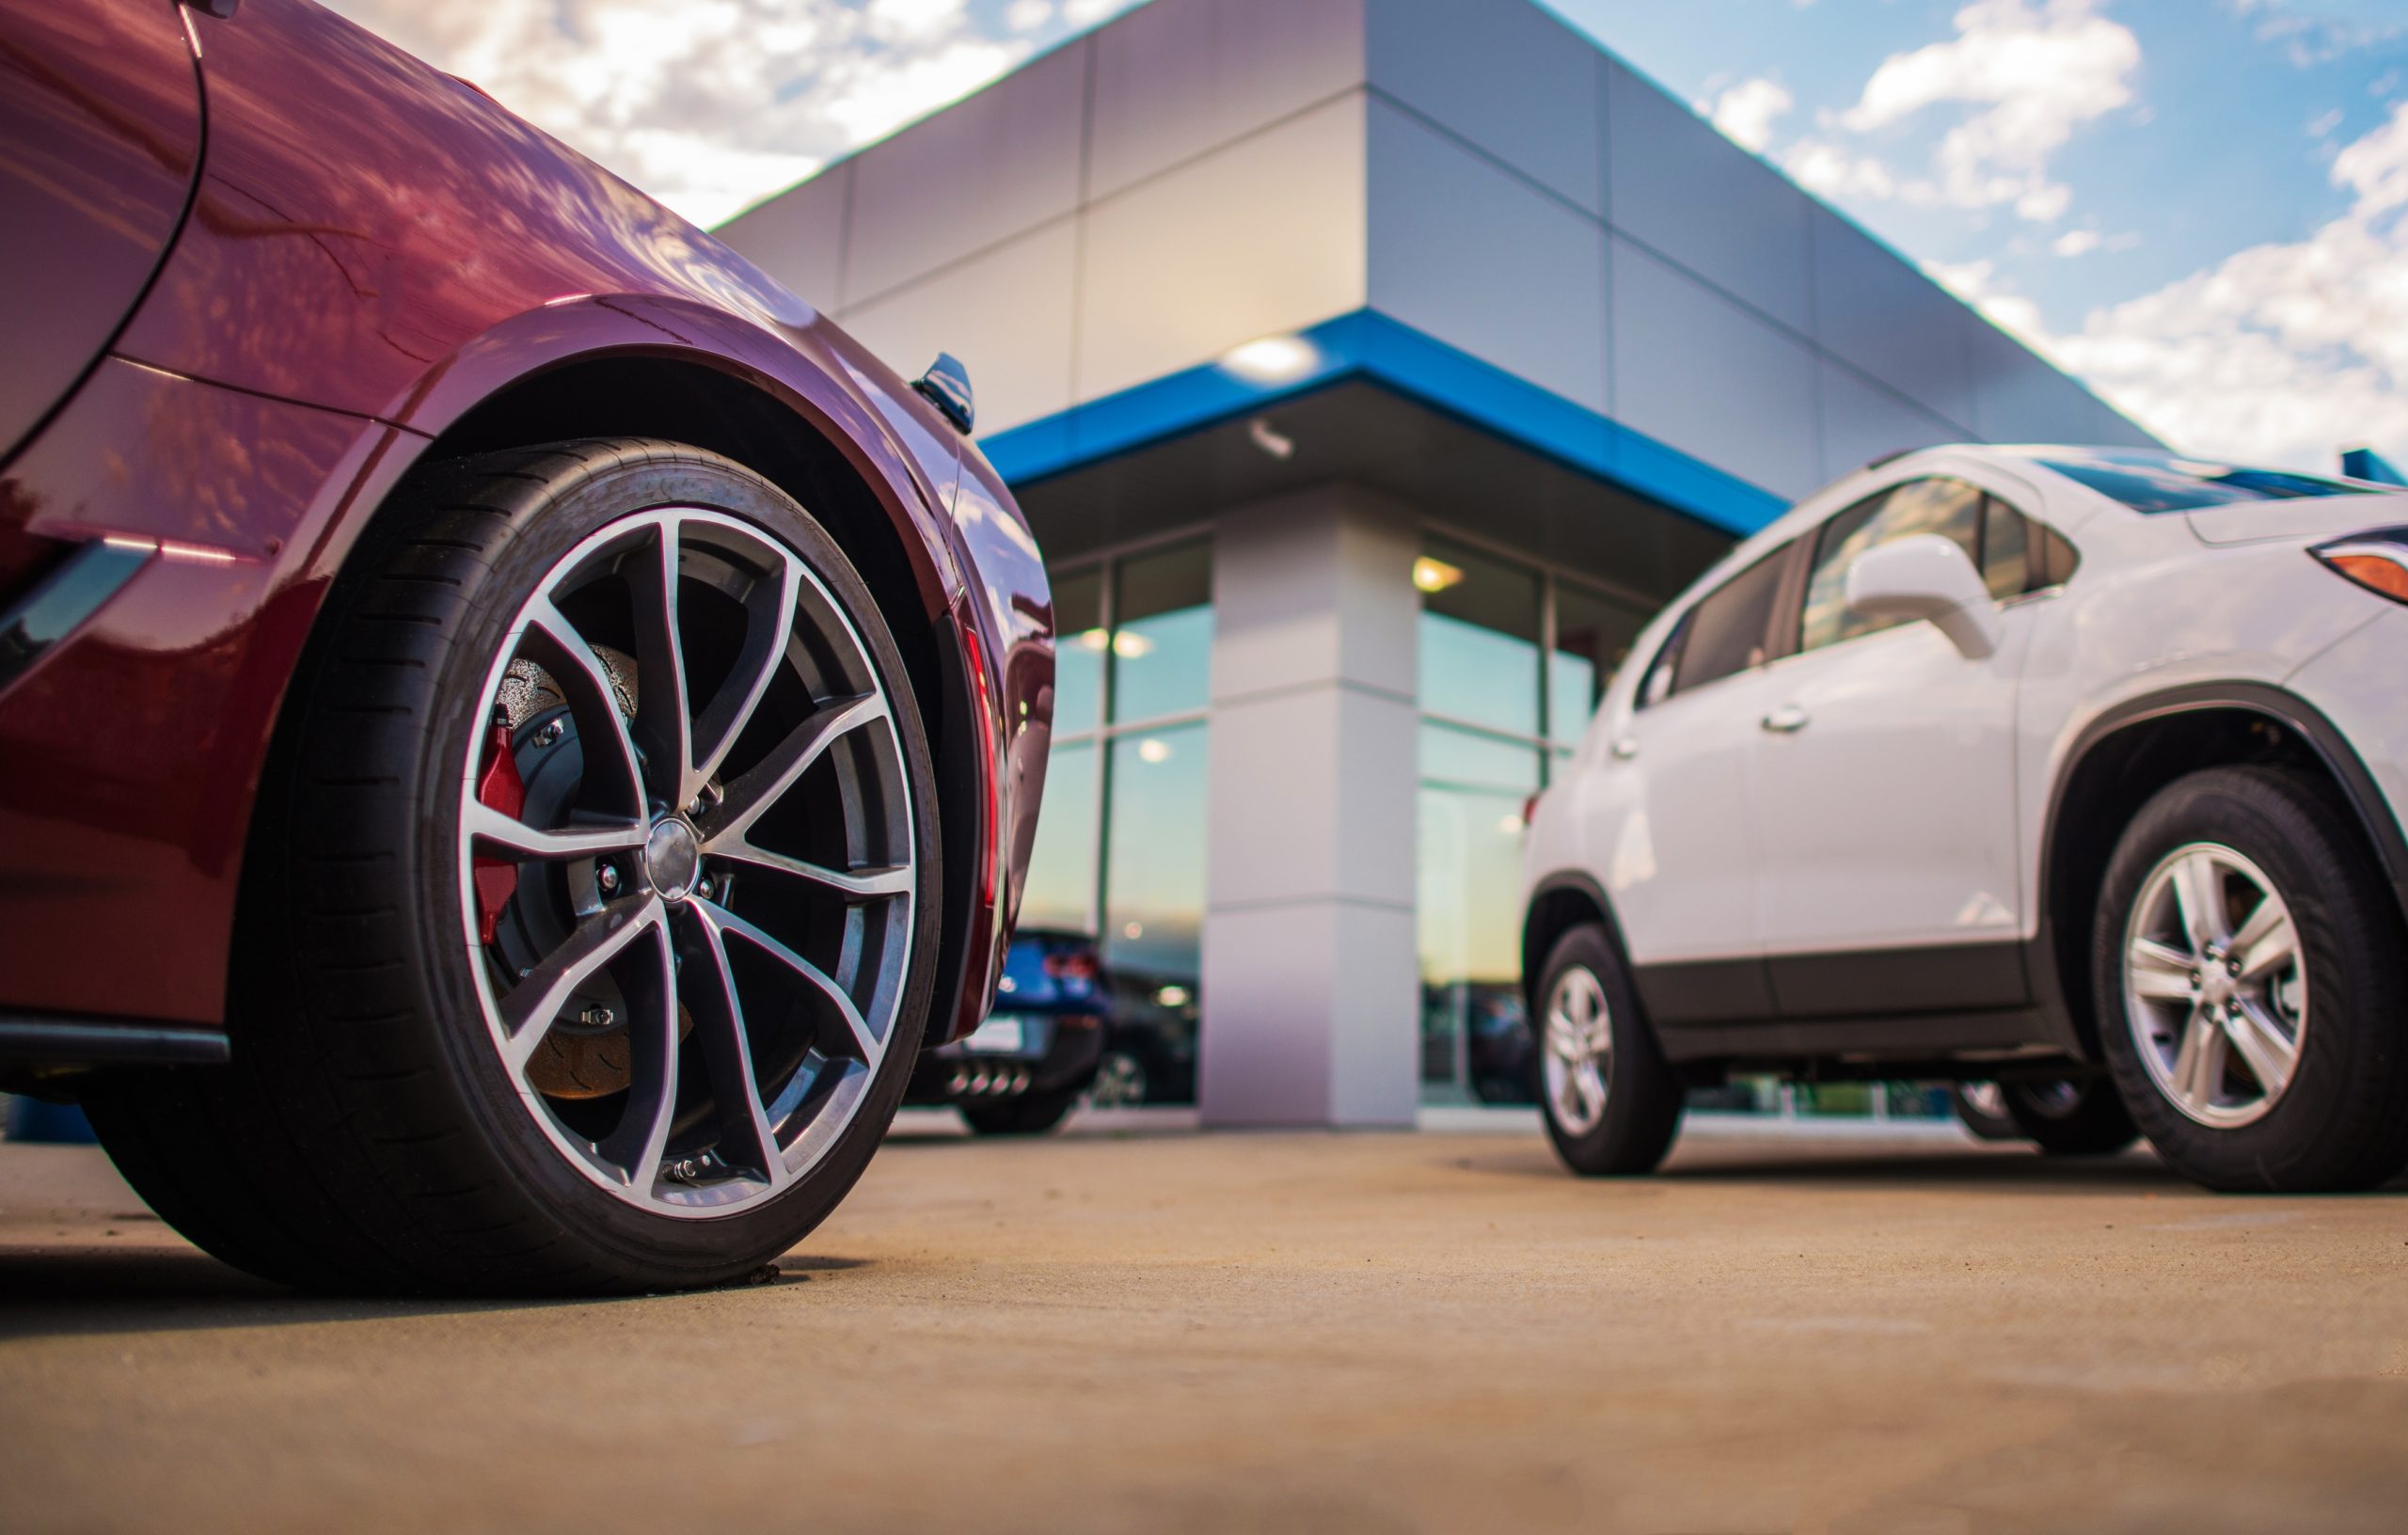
(2267, 945)
(729, 923)
(727, 1050)
(768, 621)
(2198, 890)
(748, 797)
(662, 725)
(511, 835)
(2162, 973)
(857, 884)
(528, 1008)
(609, 751)
(2271, 1055)
(640, 1142)
(2198, 1065)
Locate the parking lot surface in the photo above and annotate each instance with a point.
(1289, 1332)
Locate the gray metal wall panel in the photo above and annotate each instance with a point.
(1504, 74)
(1676, 183)
(1005, 313)
(1178, 77)
(797, 236)
(1476, 257)
(1860, 421)
(974, 174)
(1264, 236)
(2019, 398)
(1699, 373)
(1881, 314)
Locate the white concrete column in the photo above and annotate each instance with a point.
(1312, 1012)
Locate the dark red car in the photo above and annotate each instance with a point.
(514, 732)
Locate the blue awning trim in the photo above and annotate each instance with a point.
(1368, 344)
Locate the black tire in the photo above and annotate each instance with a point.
(2070, 1119)
(368, 1136)
(1642, 1095)
(1031, 1114)
(1975, 1111)
(2341, 1122)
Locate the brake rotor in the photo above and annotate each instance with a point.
(578, 1059)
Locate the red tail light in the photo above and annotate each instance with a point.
(1073, 965)
(1530, 809)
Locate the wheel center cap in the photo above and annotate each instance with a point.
(673, 858)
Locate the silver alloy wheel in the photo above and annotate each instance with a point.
(1578, 1059)
(2215, 986)
(1119, 1082)
(754, 745)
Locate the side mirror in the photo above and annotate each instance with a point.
(1926, 577)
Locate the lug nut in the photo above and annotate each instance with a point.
(552, 733)
(607, 878)
(704, 890)
(598, 1018)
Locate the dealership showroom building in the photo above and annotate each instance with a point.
(1369, 371)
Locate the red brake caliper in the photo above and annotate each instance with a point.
(498, 788)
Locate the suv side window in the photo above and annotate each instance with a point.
(1725, 633)
(2020, 556)
(1949, 508)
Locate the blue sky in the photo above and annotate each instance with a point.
(2198, 206)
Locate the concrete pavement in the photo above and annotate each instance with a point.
(1308, 1331)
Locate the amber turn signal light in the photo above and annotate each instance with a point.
(2376, 561)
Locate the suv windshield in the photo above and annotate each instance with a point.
(2165, 482)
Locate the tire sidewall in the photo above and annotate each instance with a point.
(680, 1249)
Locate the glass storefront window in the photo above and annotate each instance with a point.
(1154, 858)
(1468, 915)
(1593, 637)
(1078, 654)
(1478, 637)
(1162, 636)
(1061, 892)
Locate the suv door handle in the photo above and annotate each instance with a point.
(1788, 720)
(1623, 748)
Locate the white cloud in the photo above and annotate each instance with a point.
(1835, 173)
(2033, 72)
(1748, 110)
(708, 104)
(2281, 351)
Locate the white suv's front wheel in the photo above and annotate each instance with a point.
(2251, 987)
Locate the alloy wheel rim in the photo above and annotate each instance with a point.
(715, 872)
(1579, 1061)
(2215, 986)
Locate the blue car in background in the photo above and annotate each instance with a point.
(1021, 1072)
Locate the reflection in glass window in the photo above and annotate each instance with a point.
(1949, 508)
(2147, 482)
(1061, 868)
(1154, 858)
(1078, 654)
(1593, 636)
(1162, 636)
(2006, 551)
(1480, 638)
(1468, 912)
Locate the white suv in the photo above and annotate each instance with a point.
(2072, 769)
